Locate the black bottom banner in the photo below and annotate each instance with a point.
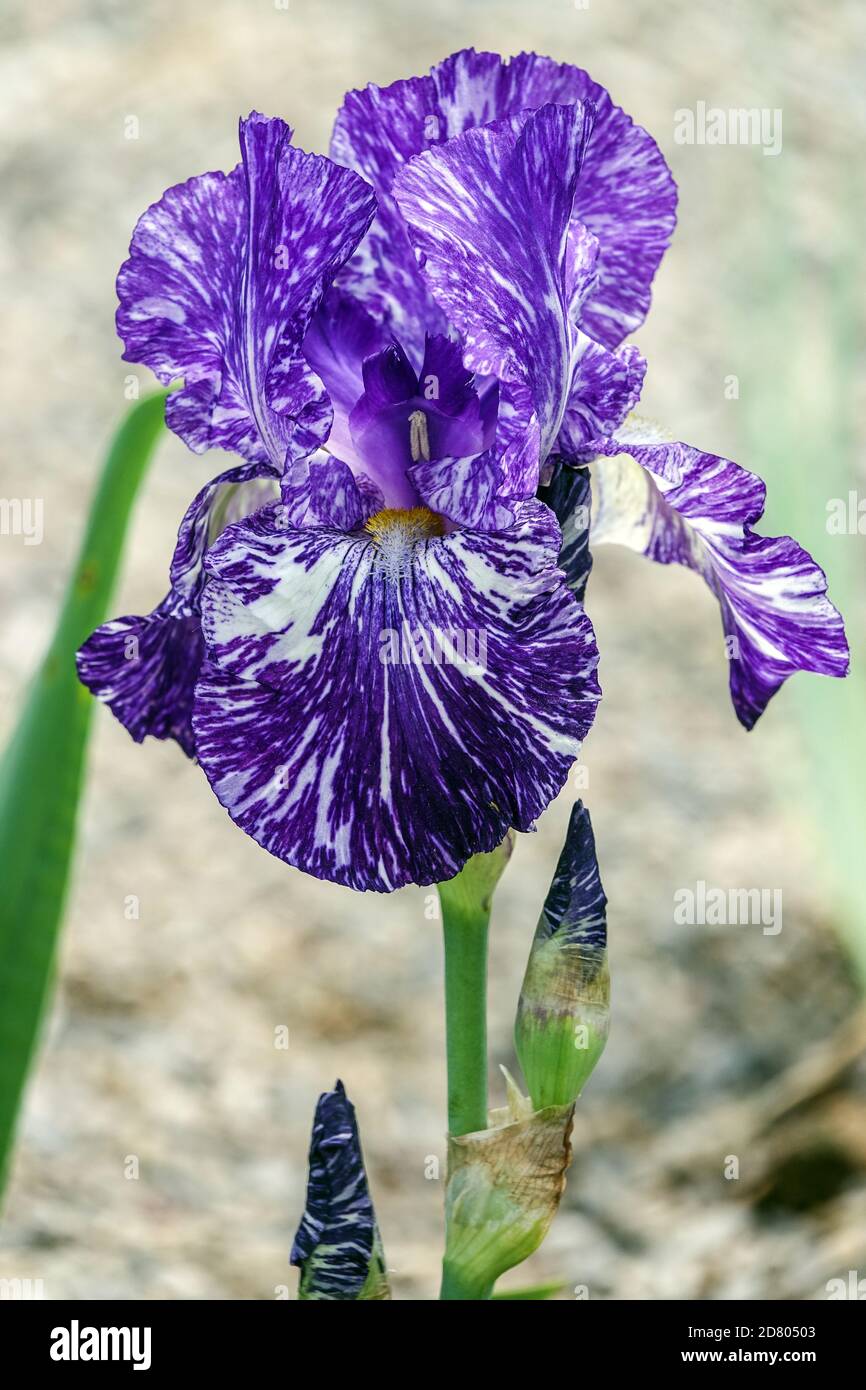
(159, 1339)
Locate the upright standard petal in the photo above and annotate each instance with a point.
(375, 133)
(678, 505)
(626, 196)
(145, 667)
(337, 1246)
(489, 213)
(223, 277)
(378, 707)
(341, 336)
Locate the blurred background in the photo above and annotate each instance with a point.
(726, 1043)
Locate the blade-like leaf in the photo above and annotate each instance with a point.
(41, 769)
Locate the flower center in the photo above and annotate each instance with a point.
(396, 531)
(406, 524)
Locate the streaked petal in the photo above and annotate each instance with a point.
(775, 613)
(626, 195)
(225, 499)
(224, 274)
(375, 711)
(490, 212)
(376, 131)
(605, 387)
(646, 441)
(466, 490)
(145, 668)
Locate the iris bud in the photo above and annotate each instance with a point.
(337, 1247)
(564, 1009)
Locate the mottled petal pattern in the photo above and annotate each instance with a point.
(224, 274)
(490, 213)
(380, 706)
(225, 499)
(325, 492)
(374, 640)
(376, 131)
(605, 387)
(776, 616)
(145, 668)
(466, 490)
(626, 196)
(645, 440)
(337, 1246)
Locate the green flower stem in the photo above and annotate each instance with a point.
(466, 903)
(465, 921)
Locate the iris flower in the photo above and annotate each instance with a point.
(417, 347)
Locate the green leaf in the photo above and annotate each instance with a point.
(41, 770)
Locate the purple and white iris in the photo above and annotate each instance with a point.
(416, 346)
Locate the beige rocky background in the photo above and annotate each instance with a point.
(160, 1044)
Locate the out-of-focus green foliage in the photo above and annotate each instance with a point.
(41, 772)
(796, 321)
